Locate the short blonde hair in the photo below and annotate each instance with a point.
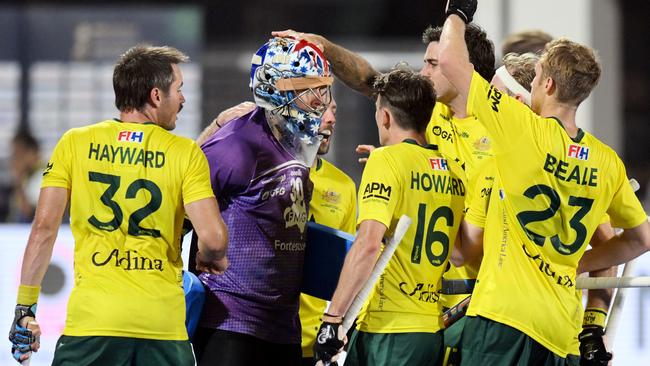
(521, 67)
(574, 68)
(526, 41)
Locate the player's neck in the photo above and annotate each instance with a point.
(398, 135)
(565, 113)
(136, 116)
(458, 106)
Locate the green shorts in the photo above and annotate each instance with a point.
(485, 342)
(394, 349)
(121, 351)
(451, 355)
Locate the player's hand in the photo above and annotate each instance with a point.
(312, 38)
(233, 112)
(465, 9)
(592, 347)
(25, 332)
(213, 266)
(364, 149)
(330, 340)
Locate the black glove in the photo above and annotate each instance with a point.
(592, 347)
(328, 344)
(21, 337)
(465, 9)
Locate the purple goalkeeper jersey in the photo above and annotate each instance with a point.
(263, 194)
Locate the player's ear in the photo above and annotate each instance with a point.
(155, 97)
(387, 118)
(549, 86)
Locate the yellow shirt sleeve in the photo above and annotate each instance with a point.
(58, 171)
(625, 210)
(196, 184)
(508, 121)
(479, 197)
(379, 190)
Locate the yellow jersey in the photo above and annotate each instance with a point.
(466, 141)
(550, 193)
(417, 181)
(333, 203)
(128, 185)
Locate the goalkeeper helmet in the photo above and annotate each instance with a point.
(291, 79)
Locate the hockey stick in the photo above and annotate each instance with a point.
(353, 311)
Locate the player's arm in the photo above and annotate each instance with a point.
(349, 67)
(592, 346)
(223, 118)
(357, 266)
(601, 298)
(617, 250)
(356, 270)
(38, 253)
(468, 249)
(212, 233)
(454, 57)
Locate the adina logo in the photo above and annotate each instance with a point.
(296, 215)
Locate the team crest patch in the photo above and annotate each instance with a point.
(130, 136)
(438, 164)
(482, 144)
(331, 197)
(578, 152)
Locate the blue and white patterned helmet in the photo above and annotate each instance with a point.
(284, 71)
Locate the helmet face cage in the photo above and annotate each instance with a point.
(287, 60)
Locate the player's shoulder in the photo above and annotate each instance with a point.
(333, 170)
(440, 115)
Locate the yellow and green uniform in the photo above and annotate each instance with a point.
(550, 193)
(408, 179)
(128, 185)
(466, 141)
(333, 203)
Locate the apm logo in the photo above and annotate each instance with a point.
(438, 164)
(578, 152)
(130, 136)
(377, 190)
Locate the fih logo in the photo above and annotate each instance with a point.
(438, 164)
(130, 136)
(578, 152)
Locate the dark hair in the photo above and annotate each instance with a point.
(480, 48)
(139, 70)
(409, 96)
(25, 138)
(527, 41)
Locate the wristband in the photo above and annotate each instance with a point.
(594, 317)
(28, 295)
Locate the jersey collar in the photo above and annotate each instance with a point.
(579, 135)
(144, 123)
(427, 146)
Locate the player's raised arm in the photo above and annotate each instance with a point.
(454, 58)
(349, 67)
